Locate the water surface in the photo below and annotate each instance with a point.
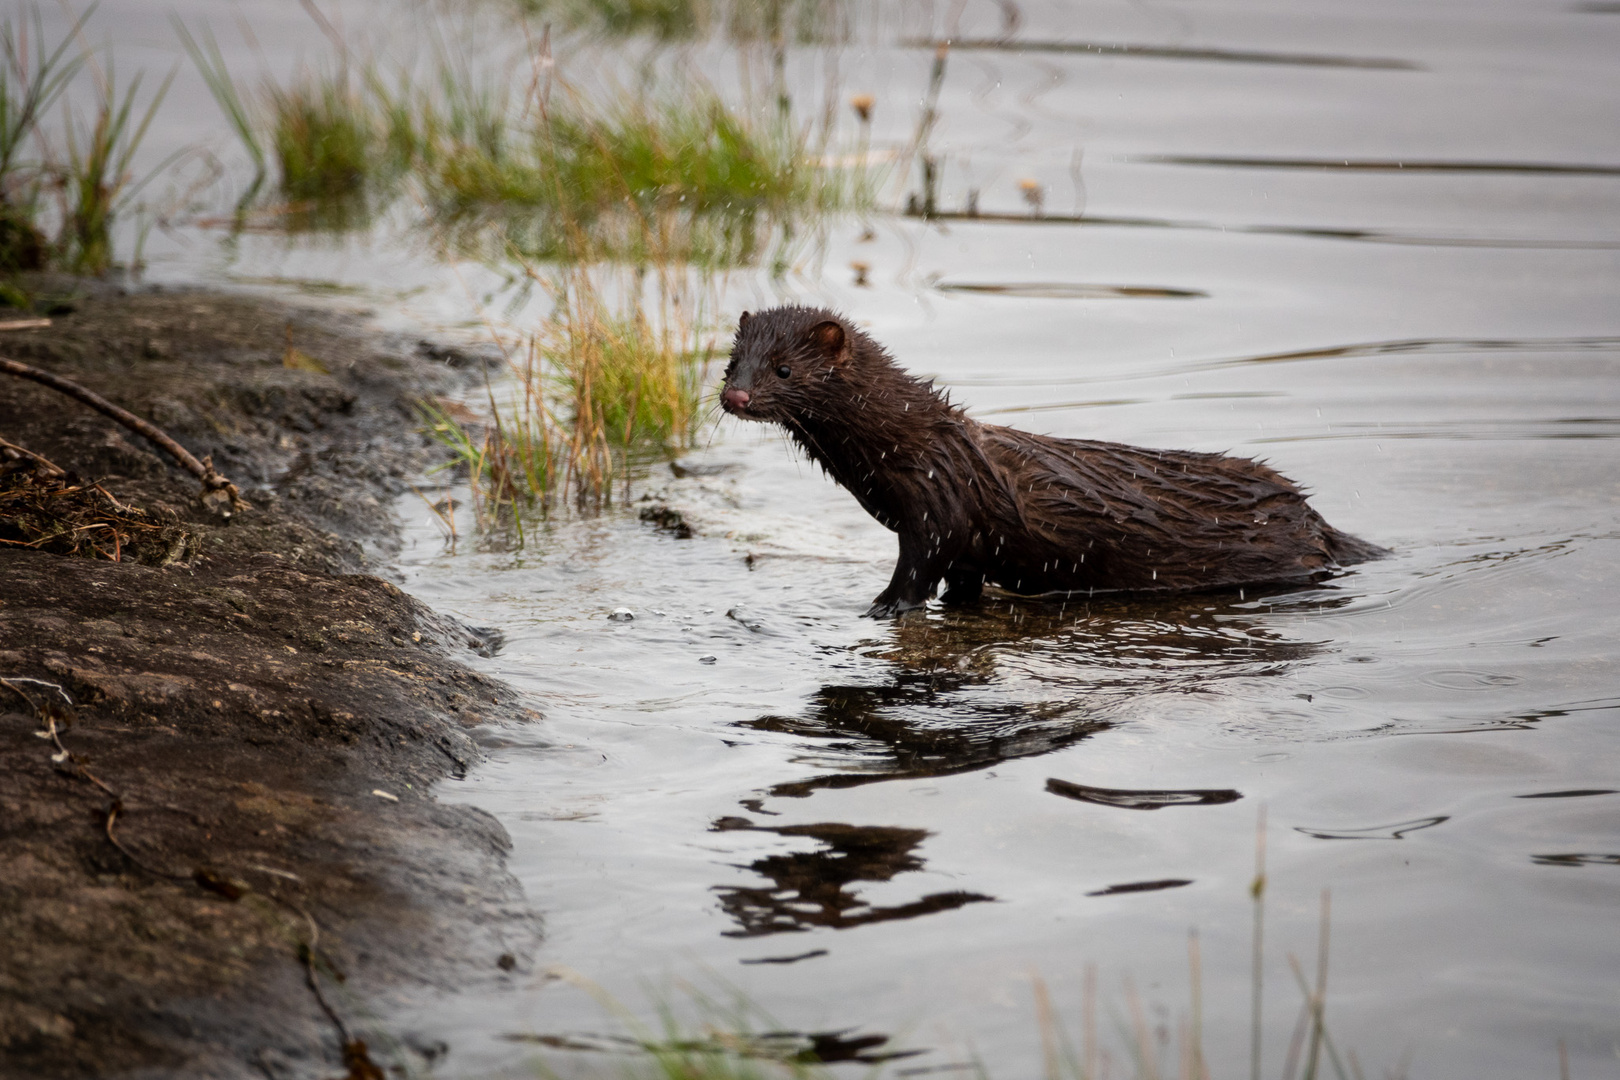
(889, 828)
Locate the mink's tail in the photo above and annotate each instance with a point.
(1348, 550)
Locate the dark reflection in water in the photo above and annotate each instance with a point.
(1014, 679)
(1521, 721)
(1141, 800)
(1426, 346)
(787, 1047)
(1576, 860)
(1388, 165)
(918, 726)
(794, 959)
(1578, 793)
(812, 889)
(1168, 52)
(1307, 232)
(1010, 678)
(1071, 290)
(1141, 886)
(1396, 831)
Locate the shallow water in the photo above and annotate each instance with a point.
(889, 828)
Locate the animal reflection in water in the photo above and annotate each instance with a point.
(812, 889)
(971, 690)
(980, 687)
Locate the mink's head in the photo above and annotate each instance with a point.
(785, 363)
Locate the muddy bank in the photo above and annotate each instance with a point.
(235, 801)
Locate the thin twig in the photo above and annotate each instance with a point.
(1088, 1030)
(1047, 1022)
(1257, 890)
(1318, 1025)
(1319, 998)
(1297, 1042)
(1198, 1068)
(355, 1054)
(447, 517)
(50, 467)
(113, 811)
(57, 716)
(202, 470)
(306, 953)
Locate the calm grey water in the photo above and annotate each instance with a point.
(886, 828)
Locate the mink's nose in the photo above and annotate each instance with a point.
(736, 399)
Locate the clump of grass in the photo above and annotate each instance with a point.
(684, 20)
(710, 1039)
(325, 138)
(83, 189)
(640, 384)
(601, 390)
(519, 457)
(665, 20)
(338, 140)
(30, 83)
(210, 63)
(98, 179)
(682, 178)
(671, 174)
(334, 150)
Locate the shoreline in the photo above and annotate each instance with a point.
(238, 806)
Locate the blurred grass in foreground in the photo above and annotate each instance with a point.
(737, 1040)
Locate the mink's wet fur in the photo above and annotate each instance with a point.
(975, 503)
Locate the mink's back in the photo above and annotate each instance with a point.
(1159, 519)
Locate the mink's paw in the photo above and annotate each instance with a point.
(885, 607)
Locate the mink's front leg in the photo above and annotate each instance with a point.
(915, 575)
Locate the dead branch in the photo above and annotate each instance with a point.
(203, 470)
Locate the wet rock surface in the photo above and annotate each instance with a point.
(236, 799)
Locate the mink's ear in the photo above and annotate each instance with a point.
(829, 338)
(742, 320)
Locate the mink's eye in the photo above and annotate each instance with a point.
(783, 371)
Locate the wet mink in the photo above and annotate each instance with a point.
(1033, 514)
